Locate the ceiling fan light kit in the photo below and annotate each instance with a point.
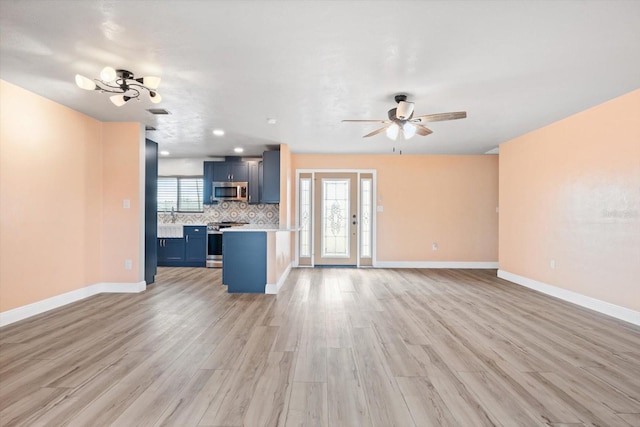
(401, 119)
(123, 83)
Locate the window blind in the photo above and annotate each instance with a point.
(182, 194)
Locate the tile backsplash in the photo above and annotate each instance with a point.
(227, 211)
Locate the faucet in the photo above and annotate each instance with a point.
(173, 216)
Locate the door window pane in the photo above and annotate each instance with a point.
(366, 209)
(305, 217)
(335, 218)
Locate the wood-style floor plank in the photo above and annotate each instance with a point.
(336, 347)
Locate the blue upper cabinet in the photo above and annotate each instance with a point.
(254, 182)
(270, 177)
(237, 171)
(207, 189)
(230, 172)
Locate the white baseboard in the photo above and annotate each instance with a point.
(29, 310)
(271, 288)
(603, 307)
(436, 264)
(123, 288)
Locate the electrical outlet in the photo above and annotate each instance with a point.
(552, 264)
(126, 203)
(128, 264)
(434, 246)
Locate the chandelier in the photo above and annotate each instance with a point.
(123, 83)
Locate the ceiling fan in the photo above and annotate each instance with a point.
(401, 118)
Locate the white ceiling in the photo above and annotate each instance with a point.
(513, 66)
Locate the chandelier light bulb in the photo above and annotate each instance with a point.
(152, 82)
(108, 74)
(392, 131)
(408, 130)
(155, 97)
(85, 83)
(119, 100)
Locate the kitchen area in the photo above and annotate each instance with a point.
(237, 194)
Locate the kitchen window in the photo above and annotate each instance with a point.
(180, 194)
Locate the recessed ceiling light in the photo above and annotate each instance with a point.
(238, 149)
(271, 121)
(218, 132)
(164, 153)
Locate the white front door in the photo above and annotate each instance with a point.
(335, 213)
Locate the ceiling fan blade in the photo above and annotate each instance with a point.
(440, 117)
(375, 132)
(423, 131)
(367, 121)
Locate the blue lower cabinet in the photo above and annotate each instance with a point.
(188, 251)
(245, 261)
(171, 252)
(195, 246)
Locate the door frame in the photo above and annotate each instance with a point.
(374, 221)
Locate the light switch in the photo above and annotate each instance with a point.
(126, 203)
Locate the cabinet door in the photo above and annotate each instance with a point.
(160, 251)
(195, 252)
(207, 189)
(245, 261)
(174, 250)
(271, 177)
(171, 252)
(221, 172)
(254, 183)
(239, 171)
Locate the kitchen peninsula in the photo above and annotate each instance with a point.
(256, 258)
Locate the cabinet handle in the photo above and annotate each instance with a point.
(187, 238)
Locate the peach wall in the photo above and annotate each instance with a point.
(450, 200)
(121, 226)
(285, 185)
(570, 193)
(63, 176)
(50, 198)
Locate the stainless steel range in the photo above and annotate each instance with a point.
(214, 241)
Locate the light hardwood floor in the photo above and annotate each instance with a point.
(337, 347)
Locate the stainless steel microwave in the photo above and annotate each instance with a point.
(229, 191)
